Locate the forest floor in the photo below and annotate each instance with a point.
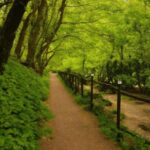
(137, 114)
(73, 127)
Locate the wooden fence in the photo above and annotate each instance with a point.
(76, 82)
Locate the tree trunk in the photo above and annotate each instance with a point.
(21, 38)
(35, 33)
(8, 31)
(50, 38)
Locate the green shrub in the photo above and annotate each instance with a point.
(22, 112)
(128, 81)
(85, 100)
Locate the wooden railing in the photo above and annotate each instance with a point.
(76, 82)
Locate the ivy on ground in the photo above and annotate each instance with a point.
(22, 112)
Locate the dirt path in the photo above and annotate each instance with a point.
(74, 128)
(137, 114)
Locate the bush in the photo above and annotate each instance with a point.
(21, 108)
(128, 81)
(85, 100)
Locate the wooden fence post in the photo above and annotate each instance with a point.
(78, 84)
(91, 103)
(118, 108)
(75, 84)
(72, 82)
(82, 87)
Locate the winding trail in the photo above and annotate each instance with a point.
(74, 128)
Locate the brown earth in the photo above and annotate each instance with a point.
(73, 128)
(137, 114)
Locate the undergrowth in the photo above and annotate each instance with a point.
(22, 112)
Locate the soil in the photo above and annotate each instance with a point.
(137, 114)
(73, 127)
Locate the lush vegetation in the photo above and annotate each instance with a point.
(109, 38)
(35, 24)
(23, 114)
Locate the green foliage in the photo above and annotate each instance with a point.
(147, 72)
(107, 125)
(22, 114)
(85, 100)
(109, 38)
(127, 80)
